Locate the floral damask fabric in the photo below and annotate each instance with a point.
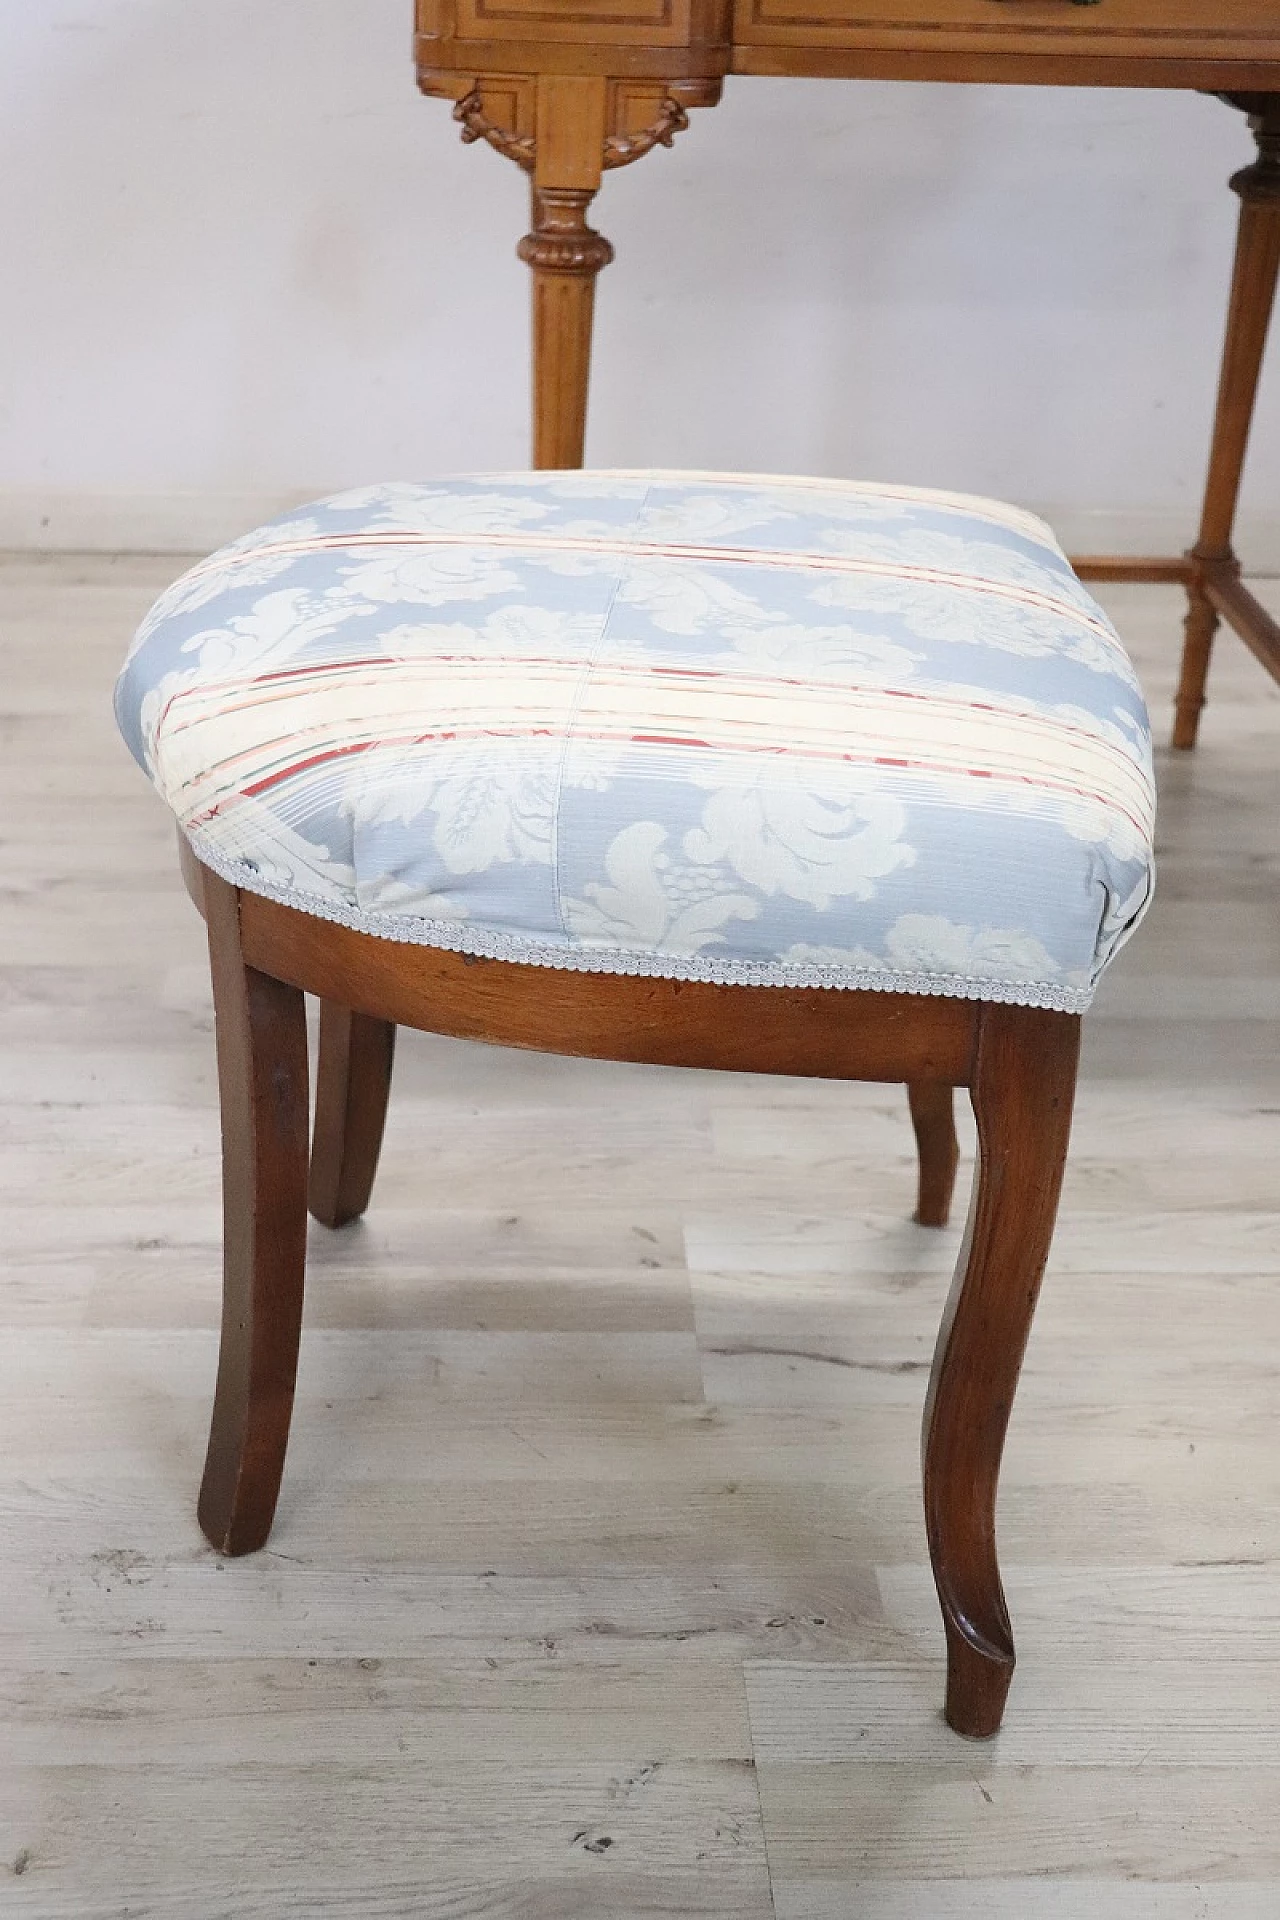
(718, 727)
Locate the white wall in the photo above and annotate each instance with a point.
(244, 262)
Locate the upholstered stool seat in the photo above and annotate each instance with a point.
(641, 766)
(777, 732)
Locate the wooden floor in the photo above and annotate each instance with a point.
(599, 1586)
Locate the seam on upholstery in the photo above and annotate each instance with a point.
(579, 695)
(453, 936)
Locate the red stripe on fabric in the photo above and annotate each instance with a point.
(939, 769)
(761, 684)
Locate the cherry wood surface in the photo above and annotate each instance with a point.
(1019, 1064)
(934, 1121)
(353, 1085)
(803, 1031)
(1023, 1090)
(1218, 44)
(262, 1085)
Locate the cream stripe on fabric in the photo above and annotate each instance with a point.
(244, 735)
(635, 549)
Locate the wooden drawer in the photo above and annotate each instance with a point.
(654, 23)
(1222, 29)
(665, 39)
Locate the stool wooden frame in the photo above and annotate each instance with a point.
(1019, 1064)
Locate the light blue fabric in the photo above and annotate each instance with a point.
(705, 726)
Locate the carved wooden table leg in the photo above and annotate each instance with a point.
(262, 1081)
(933, 1117)
(1253, 292)
(565, 255)
(566, 130)
(353, 1085)
(1023, 1088)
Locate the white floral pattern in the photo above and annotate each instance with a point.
(820, 652)
(710, 726)
(931, 612)
(802, 832)
(650, 900)
(928, 943)
(481, 813)
(684, 598)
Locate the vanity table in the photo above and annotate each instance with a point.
(569, 89)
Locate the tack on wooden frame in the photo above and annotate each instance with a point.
(1018, 1063)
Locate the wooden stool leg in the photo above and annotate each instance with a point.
(262, 1080)
(933, 1117)
(1022, 1094)
(1253, 293)
(353, 1084)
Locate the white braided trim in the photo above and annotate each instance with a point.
(455, 937)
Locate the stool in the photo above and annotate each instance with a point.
(771, 775)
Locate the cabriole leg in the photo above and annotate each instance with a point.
(1022, 1094)
(933, 1117)
(353, 1085)
(262, 1082)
